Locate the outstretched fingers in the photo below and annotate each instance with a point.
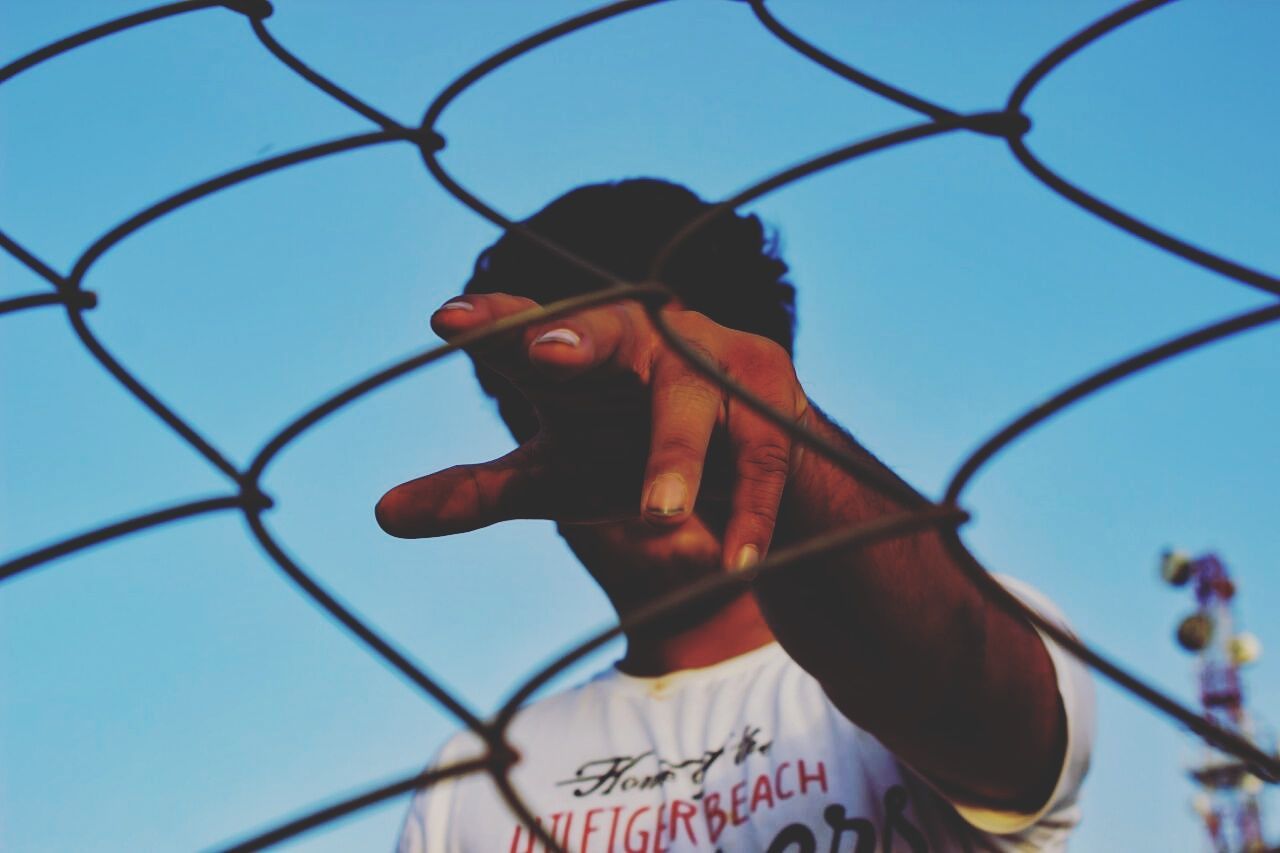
(687, 409)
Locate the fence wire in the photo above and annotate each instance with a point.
(1009, 125)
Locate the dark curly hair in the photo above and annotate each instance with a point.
(729, 270)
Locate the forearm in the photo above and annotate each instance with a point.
(907, 647)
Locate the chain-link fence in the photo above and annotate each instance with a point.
(1007, 126)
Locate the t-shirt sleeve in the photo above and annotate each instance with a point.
(427, 824)
(1047, 828)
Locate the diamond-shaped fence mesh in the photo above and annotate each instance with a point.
(1006, 126)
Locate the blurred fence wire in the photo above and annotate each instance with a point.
(1007, 125)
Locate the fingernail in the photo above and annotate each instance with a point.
(457, 305)
(667, 496)
(748, 556)
(559, 336)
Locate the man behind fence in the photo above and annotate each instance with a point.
(870, 699)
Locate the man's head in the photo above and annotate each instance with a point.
(727, 270)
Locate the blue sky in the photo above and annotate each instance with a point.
(170, 691)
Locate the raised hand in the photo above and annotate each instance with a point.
(625, 427)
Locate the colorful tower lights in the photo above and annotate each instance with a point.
(1228, 800)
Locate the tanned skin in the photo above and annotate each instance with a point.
(901, 641)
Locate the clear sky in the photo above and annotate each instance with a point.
(170, 691)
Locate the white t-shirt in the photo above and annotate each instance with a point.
(745, 755)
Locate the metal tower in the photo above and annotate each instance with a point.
(1228, 801)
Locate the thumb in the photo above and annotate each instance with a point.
(461, 498)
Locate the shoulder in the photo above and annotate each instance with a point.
(424, 824)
